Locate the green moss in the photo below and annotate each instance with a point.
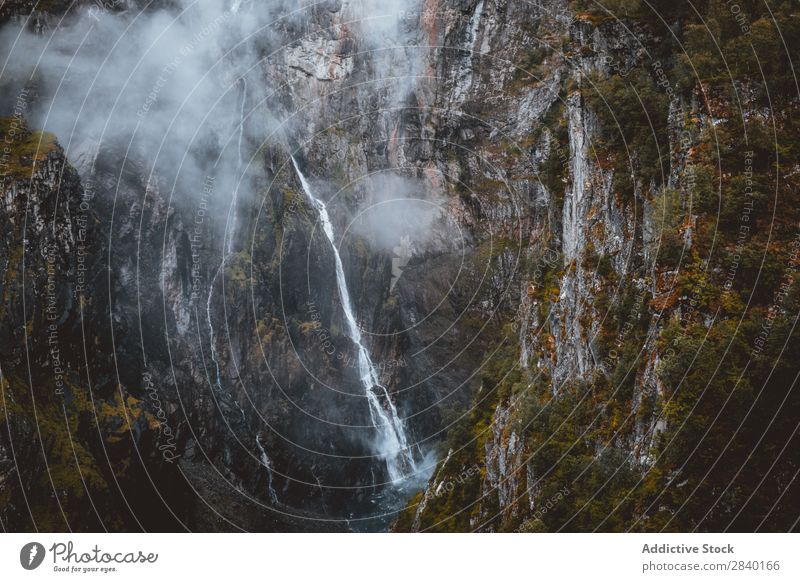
(238, 268)
(21, 148)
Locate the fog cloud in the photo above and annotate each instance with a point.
(398, 212)
(172, 81)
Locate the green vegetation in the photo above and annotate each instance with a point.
(20, 147)
(451, 509)
(633, 115)
(74, 460)
(724, 270)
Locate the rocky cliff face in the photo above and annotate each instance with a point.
(503, 265)
(581, 395)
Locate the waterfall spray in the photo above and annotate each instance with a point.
(391, 443)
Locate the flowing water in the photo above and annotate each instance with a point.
(267, 463)
(230, 231)
(391, 443)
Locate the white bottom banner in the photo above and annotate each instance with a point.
(400, 557)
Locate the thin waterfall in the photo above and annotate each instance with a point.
(230, 228)
(391, 443)
(475, 26)
(466, 69)
(230, 231)
(211, 325)
(241, 118)
(267, 463)
(239, 165)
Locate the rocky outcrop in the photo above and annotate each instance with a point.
(577, 234)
